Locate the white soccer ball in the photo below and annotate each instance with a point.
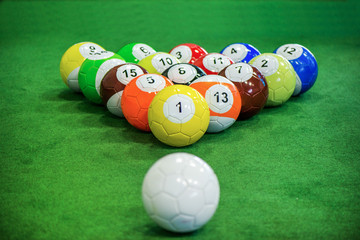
(180, 192)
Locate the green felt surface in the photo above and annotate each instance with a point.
(71, 170)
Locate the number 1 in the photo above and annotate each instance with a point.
(179, 105)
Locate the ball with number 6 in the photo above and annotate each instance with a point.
(137, 96)
(134, 52)
(223, 99)
(158, 62)
(279, 75)
(213, 63)
(178, 116)
(188, 52)
(113, 85)
(183, 73)
(304, 64)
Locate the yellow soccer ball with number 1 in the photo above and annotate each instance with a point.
(73, 58)
(178, 115)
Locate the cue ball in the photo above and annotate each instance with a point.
(223, 99)
(279, 75)
(213, 63)
(180, 192)
(73, 58)
(178, 116)
(304, 64)
(113, 84)
(183, 73)
(252, 87)
(137, 96)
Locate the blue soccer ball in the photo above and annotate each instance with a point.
(240, 52)
(304, 64)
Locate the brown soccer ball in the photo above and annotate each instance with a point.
(114, 82)
(252, 87)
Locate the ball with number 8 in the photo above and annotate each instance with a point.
(188, 52)
(183, 73)
(137, 97)
(158, 62)
(279, 75)
(213, 63)
(223, 99)
(304, 64)
(178, 116)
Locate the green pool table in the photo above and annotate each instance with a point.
(72, 170)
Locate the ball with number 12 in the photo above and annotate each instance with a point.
(304, 64)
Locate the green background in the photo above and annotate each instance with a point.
(71, 170)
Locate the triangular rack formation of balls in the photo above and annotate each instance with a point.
(182, 94)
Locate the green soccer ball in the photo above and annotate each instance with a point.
(93, 70)
(134, 52)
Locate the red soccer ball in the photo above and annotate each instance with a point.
(188, 52)
(213, 63)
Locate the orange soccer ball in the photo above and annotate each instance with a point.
(137, 97)
(223, 99)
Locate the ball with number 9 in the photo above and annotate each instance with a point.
(137, 97)
(178, 116)
(158, 62)
(188, 52)
(223, 99)
(183, 73)
(73, 58)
